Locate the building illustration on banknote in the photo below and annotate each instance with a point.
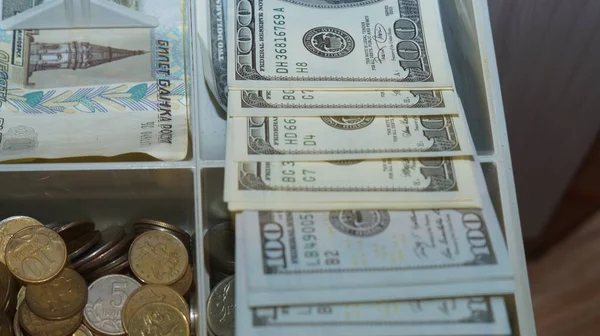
(33, 53)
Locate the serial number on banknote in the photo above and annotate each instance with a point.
(310, 242)
(280, 46)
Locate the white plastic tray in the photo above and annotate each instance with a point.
(189, 193)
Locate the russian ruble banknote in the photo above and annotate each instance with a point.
(347, 137)
(307, 103)
(411, 183)
(95, 92)
(348, 45)
(351, 256)
(14, 7)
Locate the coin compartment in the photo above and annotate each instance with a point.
(102, 196)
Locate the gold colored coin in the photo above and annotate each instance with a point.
(83, 331)
(160, 319)
(16, 325)
(151, 294)
(37, 326)
(162, 226)
(36, 254)
(183, 285)
(9, 227)
(7, 287)
(62, 297)
(156, 257)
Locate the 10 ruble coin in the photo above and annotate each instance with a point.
(35, 254)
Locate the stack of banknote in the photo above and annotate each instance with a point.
(95, 92)
(361, 205)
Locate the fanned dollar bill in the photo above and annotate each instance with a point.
(347, 137)
(296, 258)
(212, 28)
(349, 44)
(410, 183)
(96, 92)
(307, 103)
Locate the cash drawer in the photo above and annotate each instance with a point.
(188, 193)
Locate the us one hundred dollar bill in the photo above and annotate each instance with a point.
(315, 257)
(307, 103)
(347, 137)
(401, 183)
(212, 30)
(95, 92)
(451, 316)
(348, 44)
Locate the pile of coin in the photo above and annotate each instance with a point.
(76, 280)
(219, 242)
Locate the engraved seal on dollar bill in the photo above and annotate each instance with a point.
(19, 139)
(348, 123)
(328, 42)
(360, 223)
(333, 3)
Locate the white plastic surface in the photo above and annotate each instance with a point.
(69, 14)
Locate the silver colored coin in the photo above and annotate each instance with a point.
(193, 313)
(117, 266)
(106, 297)
(72, 230)
(220, 244)
(109, 238)
(17, 326)
(107, 256)
(221, 308)
(81, 245)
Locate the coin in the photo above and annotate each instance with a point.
(221, 308)
(116, 266)
(219, 241)
(36, 254)
(109, 237)
(83, 331)
(193, 314)
(158, 319)
(9, 226)
(77, 247)
(183, 285)
(7, 286)
(106, 297)
(177, 232)
(216, 276)
(60, 298)
(150, 294)
(110, 254)
(73, 230)
(16, 325)
(156, 257)
(37, 326)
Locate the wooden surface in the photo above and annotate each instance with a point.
(581, 200)
(565, 285)
(548, 52)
